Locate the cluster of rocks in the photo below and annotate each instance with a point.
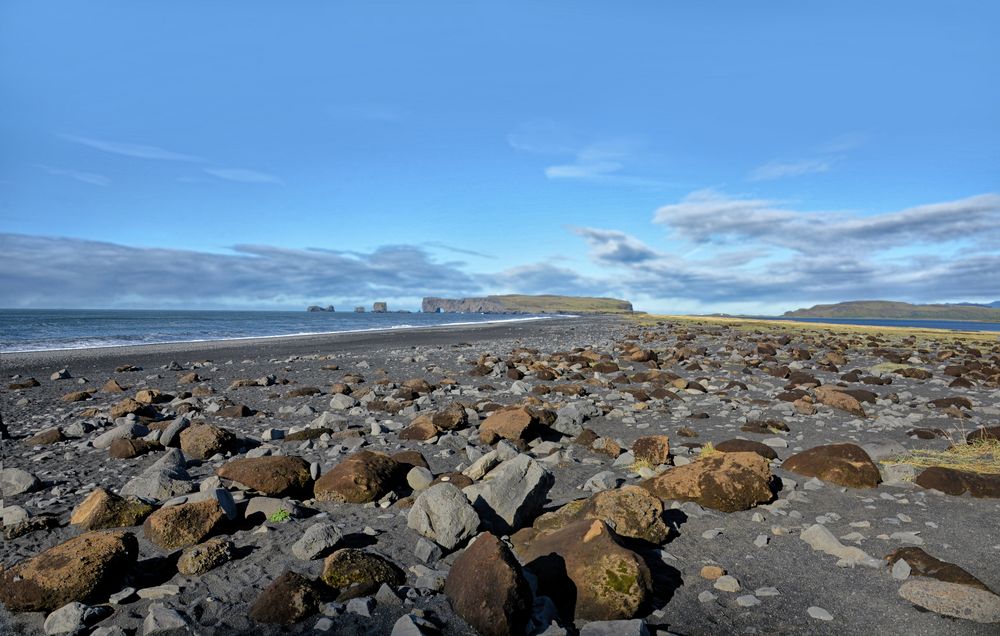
(604, 487)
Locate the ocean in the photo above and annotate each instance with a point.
(41, 330)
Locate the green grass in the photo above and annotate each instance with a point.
(897, 310)
(280, 516)
(564, 304)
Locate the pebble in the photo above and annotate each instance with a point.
(747, 600)
(820, 614)
(727, 583)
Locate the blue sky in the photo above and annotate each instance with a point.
(726, 156)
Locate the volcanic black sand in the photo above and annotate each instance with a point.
(590, 388)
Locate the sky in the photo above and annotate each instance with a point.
(690, 157)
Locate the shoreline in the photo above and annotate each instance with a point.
(18, 362)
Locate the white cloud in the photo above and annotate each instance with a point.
(778, 169)
(126, 149)
(90, 178)
(242, 175)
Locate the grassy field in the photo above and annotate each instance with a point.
(564, 304)
(753, 324)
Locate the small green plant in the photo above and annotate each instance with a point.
(639, 464)
(280, 516)
(708, 449)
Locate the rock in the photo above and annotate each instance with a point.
(588, 574)
(511, 494)
(274, 475)
(844, 464)
(654, 449)
(711, 572)
(982, 434)
(61, 374)
(515, 424)
(161, 619)
(234, 411)
(722, 481)
(131, 448)
(183, 525)
(201, 558)
(49, 436)
(359, 478)
(130, 430)
(419, 478)
(102, 509)
(128, 406)
(746, 446)
(630, 511)
(923, 564)
(442, 513)
(420, 429)
(202, 441)
(84, 569)
(288, 599)
(259, 509)
(14, 481)
(451, 418)
(821, 539)
(831, 396)
(953, 599)
(318, 539)
(165, 478)
(170, 436)
(958, 482)
(819, 613)
(634, 627)
(342, 402)
(354, 572)
(73, 618)
(727, 583)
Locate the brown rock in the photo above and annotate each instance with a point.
(128, 405)
(839, 400)
(130, 448)
(234, 411)
(746, 446)
(923, 564)
(183, 525)
(203, 557)
(201, 441)
(632, 512)
(273, 475)
(488, 590)
(712, 572)
(360, 478)
(102, 509)
(355, 572)
(452, 418)
(84, 569)
(152, 396)
(722, 481)
(843, 464)
(983, 434)
(289, 599)
(516, 424)
(30, 383)
(420, 429)
(588, 574)
(76, 396)
(958, 482)
(48, 436)
(654, 449)
(189, 378)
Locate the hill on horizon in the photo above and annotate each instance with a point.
(900, 310)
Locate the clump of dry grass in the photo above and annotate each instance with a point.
(981, 456)
(707, 449)
(639, 464)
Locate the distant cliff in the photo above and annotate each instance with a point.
(896, 310)
(516, 304)
(315, 308)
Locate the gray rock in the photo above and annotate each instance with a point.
(901, 570)
(427, 551)
(419, 478)
(14, 481)
(410, 625)
(318, 539)
(61, 374)
(341, 402)
(73, 618)
(821, 539)
(129, 430)
(160, 619)
(727, 583)
(747, 600)
(113, 630)
(442, 513)
(361, 606)
(604, 480)
(171, 434)
(884, 449)
(511, 493)
(952, 599)
(165, 478)
(634, 627)
(819, 613)
(12, 515)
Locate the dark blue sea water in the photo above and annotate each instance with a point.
(36, 330)
(955, 325)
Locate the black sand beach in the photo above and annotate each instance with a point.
(592, 388)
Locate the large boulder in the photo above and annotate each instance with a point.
(488, 590)
(746, 446)
(515, 424)
(843, 464)
(102, 509)
(288, 599)
(203, 557)
(958, 482)
(953, 599)
(360, 478)
(201, 441)
(443, 514)
(85, 569)
(588, 574)
(352, 572)
(274, 475)
(632, 511)
(165, 478)
(183, 525)
(14, 481)
(511, 494)
(923, 564)
(722, 481)
(654, 449)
